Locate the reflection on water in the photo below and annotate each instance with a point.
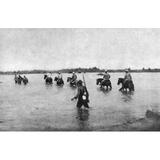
(48, 86)
(103, 90)
(82, 118)
(127, 96)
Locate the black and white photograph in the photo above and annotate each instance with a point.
(79, 79)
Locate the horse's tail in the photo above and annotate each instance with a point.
(62, 81)
(131, 86)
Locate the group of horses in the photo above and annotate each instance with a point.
(59, 81)
(106, 85)
(126, 85)
(49, 80)
(20, 80)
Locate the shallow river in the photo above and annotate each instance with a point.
(37, 107)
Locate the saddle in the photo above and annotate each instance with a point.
(59, 80)
(128, 81)
(105, 81)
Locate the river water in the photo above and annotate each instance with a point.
(38, 107)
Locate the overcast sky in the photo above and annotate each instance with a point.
(25, 49)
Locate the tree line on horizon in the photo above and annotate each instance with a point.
(78, 70)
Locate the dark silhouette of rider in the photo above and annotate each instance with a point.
(20, 77)
(59, 77)
(74, 77)
(106, 77)
(127, 76)
(25, 78)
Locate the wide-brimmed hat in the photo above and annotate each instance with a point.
(126, 70)
(106, 71)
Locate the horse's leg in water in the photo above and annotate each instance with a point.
(101, 84)
(110, 86)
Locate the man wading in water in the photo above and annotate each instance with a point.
(82, 95)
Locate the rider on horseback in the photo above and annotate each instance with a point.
(20, 77)
(74, 77)
(59, 76)
(59, 79)
(16, 78)
(50, 75)
(106, 77)
(25, 78)
(127, 76)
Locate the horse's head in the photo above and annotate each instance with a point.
(56, 78)
(99, 80)
(68, 79)
(120, 80)
(45, 76)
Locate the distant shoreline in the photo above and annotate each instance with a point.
(79, 70)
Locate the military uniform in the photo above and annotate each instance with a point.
(106, 77)
(127, 77)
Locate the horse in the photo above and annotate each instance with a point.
(125, 85)
(59, 81)
(18, 79)
(104, 84)
(48, 80)
(25, 80)
(72, 83)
